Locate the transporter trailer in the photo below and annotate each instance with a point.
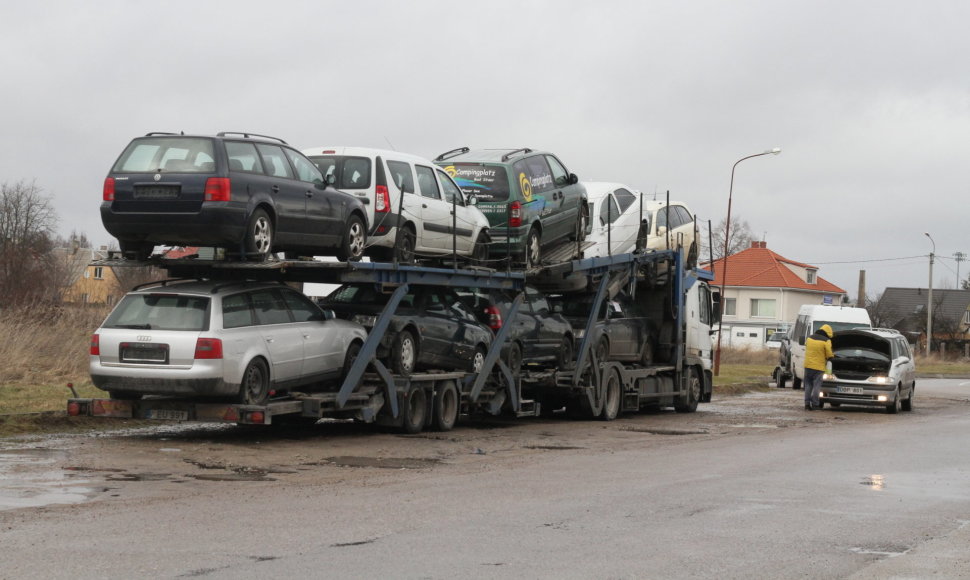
(678, 301)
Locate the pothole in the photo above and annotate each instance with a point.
(138, 476)
(553, 447)
(231, 477)
(655, 431)
(384, 462)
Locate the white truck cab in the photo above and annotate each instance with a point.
(811, 317)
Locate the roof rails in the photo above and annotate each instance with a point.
(452, 153)
(153, 133)
(160, 283)
(509, 155)
(250, 135)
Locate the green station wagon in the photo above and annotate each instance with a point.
(531, 200)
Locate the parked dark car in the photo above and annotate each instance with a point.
(431, 329)
(624, 331)
(539, 333)
(250, 194)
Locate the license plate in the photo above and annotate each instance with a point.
(849, 390)
(168, 415)
(156, 192)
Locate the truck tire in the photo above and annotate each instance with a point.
(612, 394)
(445, 406)
(689, 403)
(254, 389)
(414, 411)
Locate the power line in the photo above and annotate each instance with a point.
(866, 261)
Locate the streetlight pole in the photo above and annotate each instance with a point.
(727, 231)
(929, 301)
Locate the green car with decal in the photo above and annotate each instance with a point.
(531, 201)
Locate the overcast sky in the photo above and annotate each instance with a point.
(869, 101)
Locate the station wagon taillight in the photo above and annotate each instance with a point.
(515, 214)
(95, 345)
(109, 189)
(494, 317)
(382, 199)
(208, 348)
(217, 189)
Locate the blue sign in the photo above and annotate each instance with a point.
(827, 299)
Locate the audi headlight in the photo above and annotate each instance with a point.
(365, 320)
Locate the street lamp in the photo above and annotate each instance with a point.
(727, 231)
(929, 301)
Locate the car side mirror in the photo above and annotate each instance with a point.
(329, 314)
(472, 200)
(903, 360)
(573, 179)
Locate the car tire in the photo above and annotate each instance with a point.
(259, 235)
(254, 388)
(896, 405)
(779, 378)
(533, 249)
(612, 393)
(646, 354)
(404, 247)
(566, 354)
(351, 355)
(478, 360)
(138, 251)
(414, 411)
(908, 401)
(404, 353)
(514, 361)
(582, 220)
(445, 406)
(480, 251)
(693, 396)
(643, 237)
(354, 242)
(692, 257)
(796, 383)
(602, 350)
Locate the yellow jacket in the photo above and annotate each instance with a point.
(818, 348)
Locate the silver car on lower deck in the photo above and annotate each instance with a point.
(225, 339)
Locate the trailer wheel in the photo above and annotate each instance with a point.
(444, 411)
(254, 389)
(690, 400)
(415, 410)
(612, 394)
(404, 353)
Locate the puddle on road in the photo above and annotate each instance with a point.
(28, 478)
(384, 462)
(667, 431)
(876, 482)
(553, 447)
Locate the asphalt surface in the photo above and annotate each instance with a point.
(747, 487)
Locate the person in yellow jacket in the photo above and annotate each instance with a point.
(818, 351)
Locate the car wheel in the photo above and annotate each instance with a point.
(514, 360)
(692, 257)
(896, 405)
(796, 383)
(259, 235)
(352, 351)
(124, 395)
(612, 393)
(415, 410)
(779, 378)
(355, 240)
(138, 251)
(602, 350)
(693, 396)
(445, 406)
(478, 359)
(404, 353)
(533, 249)
(581, 222)
(480, 251)
(908, 401)
(646, 354)
(566, 353)
(254, 389)
(643, 235)
(404, 248)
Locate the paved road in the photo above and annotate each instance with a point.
(749, 487)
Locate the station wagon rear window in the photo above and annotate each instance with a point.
(160, 312)
(486, 182)
(167, 155)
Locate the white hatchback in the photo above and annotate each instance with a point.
(431, 219)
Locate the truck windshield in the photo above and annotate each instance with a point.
(486, 182)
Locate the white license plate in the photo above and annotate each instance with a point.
(849, 390)
(168, 415)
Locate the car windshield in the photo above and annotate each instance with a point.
(167, 154)
(160, 312)
(485, 182)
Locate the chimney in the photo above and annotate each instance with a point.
(860, 300)
(756, 244)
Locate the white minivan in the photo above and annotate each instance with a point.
(811, 317)
(432, 218)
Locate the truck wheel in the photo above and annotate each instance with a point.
(404, 353)
(254, 389)
(779, 378)
(533, 249)
(444, 408)
(689, 403)
(404, 248)
(354, 242)
(415, 410)
(259, 235)
(612, 394)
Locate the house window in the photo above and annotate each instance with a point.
(966, 317)
(810, 276)
(98, 273)
(762, 308)
(730, 306)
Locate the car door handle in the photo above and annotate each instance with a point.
(424, 206)
(306, 336)
(309, 193)
(269, 339)
(275, 188)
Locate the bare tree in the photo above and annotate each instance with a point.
(130, 276)
(740, 238)
(882, 314)
(29, 271)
